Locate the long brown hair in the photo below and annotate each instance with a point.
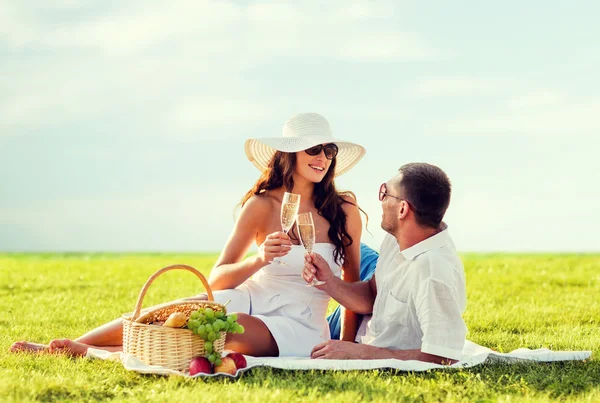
(327, 200)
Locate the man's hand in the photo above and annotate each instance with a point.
(345, 350)
(338, 350)
(316, 267)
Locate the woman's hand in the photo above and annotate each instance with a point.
(276, 245)
(316, 267)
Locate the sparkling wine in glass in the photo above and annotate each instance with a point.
(289, 210)
(306, 228)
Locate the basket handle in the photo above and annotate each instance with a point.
(140, 300)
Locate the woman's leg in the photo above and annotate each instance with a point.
(111, 333)
(256, 340)
(106, 337)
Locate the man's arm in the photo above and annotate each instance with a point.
(440, 316)
(358, 297)
(340, 350)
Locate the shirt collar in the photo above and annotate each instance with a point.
(434, 242)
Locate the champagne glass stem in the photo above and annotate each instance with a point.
(316, 282)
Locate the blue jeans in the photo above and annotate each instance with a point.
(368, 261)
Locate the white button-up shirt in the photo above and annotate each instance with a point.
(420, 298)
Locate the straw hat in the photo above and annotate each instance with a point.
(301, 132)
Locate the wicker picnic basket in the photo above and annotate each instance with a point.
(167, 347)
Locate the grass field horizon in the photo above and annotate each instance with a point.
(531, 300)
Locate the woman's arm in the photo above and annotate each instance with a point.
(351, 268)
(231, 269)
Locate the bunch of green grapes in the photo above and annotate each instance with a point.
(208, 324)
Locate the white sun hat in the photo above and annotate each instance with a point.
(301, 132)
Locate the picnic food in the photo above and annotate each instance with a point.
(176, 319)
(227, 366)
(165, 346)
(210, 325)
(238, 359)
(200, 365)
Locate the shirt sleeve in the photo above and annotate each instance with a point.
(440, 318)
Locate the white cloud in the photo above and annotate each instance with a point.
(152, 55)
(132, 26)
(14, 27)
(283, 13)
(49, 103)
(265, 29)
(571, 117)
(192, 114)
(515, 108)
(534, 99)
(452, 86)
(361, 10)
(388, 46)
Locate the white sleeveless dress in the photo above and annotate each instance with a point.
(294, 312)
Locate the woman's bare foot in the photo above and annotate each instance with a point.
(68, 347)
(28, 347)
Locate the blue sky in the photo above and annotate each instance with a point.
(122, 123)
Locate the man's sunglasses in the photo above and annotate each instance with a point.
(383, 192)
(331, 150)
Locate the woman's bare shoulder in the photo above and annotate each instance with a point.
(257, 213)
(350, 204)
(352, 211)
(260, 203)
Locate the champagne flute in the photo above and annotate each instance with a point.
(306, 228)
(289, 210)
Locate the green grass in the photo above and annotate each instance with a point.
(514, 301)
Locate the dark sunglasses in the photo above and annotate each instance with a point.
(331, 150)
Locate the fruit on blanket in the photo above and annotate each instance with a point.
(176, 319)
(238, 359)
(200, 365)
(227, 366)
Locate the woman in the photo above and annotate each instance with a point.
(281, 314)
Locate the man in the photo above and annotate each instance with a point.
(417, 295)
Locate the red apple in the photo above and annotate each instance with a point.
(227, 366)
(200, 365)
(239, 359)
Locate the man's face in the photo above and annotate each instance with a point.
(391, 205)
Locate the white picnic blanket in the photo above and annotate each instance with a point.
(473, 354)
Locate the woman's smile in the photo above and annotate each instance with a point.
(317, 168)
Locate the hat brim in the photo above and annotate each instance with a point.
(261, 151)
